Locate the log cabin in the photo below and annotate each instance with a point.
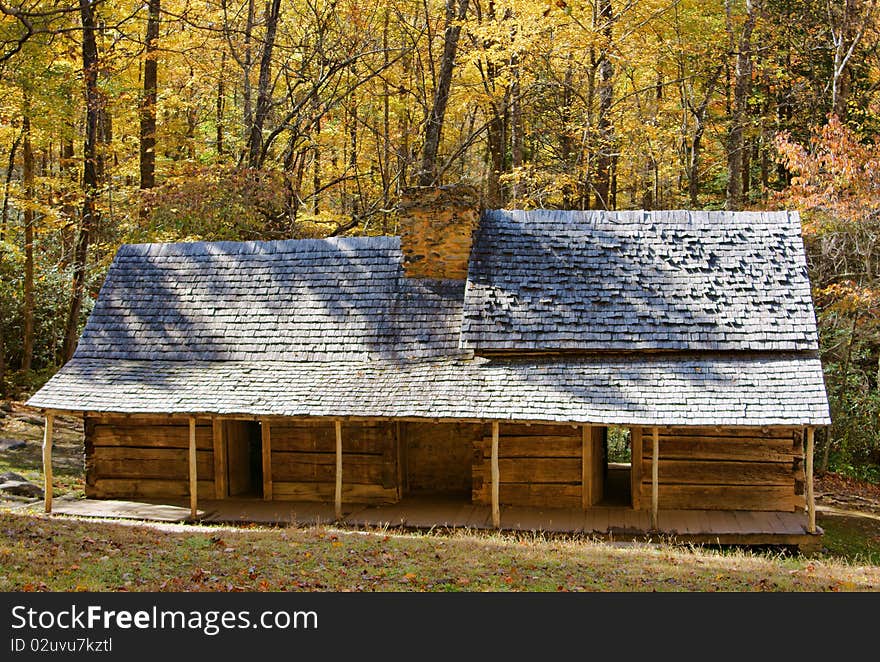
(481, 357)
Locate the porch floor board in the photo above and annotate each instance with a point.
(617, 523)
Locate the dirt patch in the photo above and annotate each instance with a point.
(844, 493)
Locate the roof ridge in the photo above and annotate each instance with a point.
(638, 216)
(265, 247)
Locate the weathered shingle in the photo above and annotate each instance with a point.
(676, 280)
(708, 389)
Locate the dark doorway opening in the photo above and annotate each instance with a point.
(618, 467)
(244, 452)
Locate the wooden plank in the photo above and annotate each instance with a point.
(135, 454)
(541, 430)
(586, 467)
(534, 446)
(727, 497)
(636, 468)
(709, 448)
(325, 492)
(357, 437)
(539, 470)
(266, 448)
(161, 436)
(810, 497)
(155, 468)
(529, 494)
(784, 432)
(118, 488)
(337, 500)
(496, 478)
(193, 470)
(47, 462)
(220, 489)
(655, 478)
(321, 467)
(700, 472)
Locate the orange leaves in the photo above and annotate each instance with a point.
(836, 172)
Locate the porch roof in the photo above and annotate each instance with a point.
(659, 389)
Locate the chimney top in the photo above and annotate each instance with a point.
(436, 230)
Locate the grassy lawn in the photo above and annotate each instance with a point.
(68, 554)
(40, 553)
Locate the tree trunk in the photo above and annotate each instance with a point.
(517, 143)
(741, 88)
(264, 86)
(605, 90)
(699, 114)
(434, 127)
(148, 101)
(10, 169)
(221, 98)
(90, 175)
(27, 175)
(496, 141)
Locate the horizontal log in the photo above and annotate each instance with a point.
(159, 436)
(165, 468)
(121, 488)
(538, 430)
(714, 448)
(535, 470)
(136, 453)
(143, 420)
(708, 431)
(724, 497)
(692, 472)
(355, 439)
(310, 467)
(324, 492)
(531, 494)
(533, 446)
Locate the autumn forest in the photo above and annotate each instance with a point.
(165, 120)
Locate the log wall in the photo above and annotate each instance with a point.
(145, 457)
(539, 465)
(723, 469)
(304, 461)
(437, 457)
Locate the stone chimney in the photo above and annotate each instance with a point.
(437, 224)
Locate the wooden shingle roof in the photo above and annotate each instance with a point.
(330, 299)
(333, 327)
(670, 280)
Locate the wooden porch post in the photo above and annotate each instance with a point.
(655, 478)
(266, 437)
(496, 508)
(193, 477)
(811, 499)
(220, 477)
(47, 462)
(338, 497)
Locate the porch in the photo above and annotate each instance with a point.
(611, 523)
